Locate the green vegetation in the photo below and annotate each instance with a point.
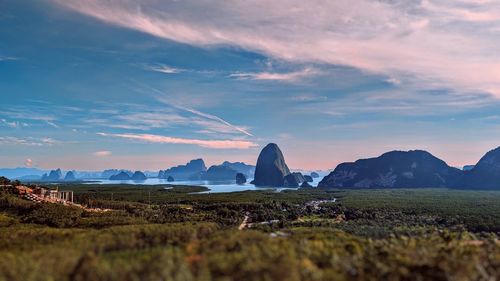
(153, 233)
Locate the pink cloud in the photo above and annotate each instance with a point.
(102, 153)
(216, 144)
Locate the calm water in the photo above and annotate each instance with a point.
(215, 186)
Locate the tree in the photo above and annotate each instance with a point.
(4, 181)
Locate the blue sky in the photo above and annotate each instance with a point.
(150, 84)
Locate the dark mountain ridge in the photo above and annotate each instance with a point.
(485, 174)
(404, 169)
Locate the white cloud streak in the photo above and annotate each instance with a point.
(28, 141)
(13, 124)
(215, 118)
(52, 124)
(164, 69)
(443, 43)
(276, 76)
(102, 153)
(161, 98)
(215, 144)
(7, 58)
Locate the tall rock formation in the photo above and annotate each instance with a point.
(240, 167)
(70, 176)
(120, 176)
(405, 169)
(219, 172)
(271, 168)
(138, 176)
(185, 172)
(54, 175)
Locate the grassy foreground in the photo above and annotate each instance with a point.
(151, 233)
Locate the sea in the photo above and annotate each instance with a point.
(214, 186)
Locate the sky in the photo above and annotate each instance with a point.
(148, 84)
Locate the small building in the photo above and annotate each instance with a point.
(66, 196)
(54, 195)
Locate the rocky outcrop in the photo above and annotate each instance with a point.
(485, 174)
(138, 176)
(240, 178)
(170, 179)
(401, 169)
(106, 174)
(240, 167)
(219, 172)
(305, 185)
(120, 176)
(161, 174)
(271, 168)
(467, 168)
(314, 175)
(299, 177)
(308, 178)
(185, 172)
(291, 181)
(70, 176)
(54, 175)
(196, 176)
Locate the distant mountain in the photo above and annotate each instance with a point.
(485, 174)
(184, 172)
(138, 176)
(54, 175)
(271, 168)
(70, 176)
(405, 169)
(120, 176)
(106, 174)
(468, 168)
(88, 175)
(219, 172)
(30, 178)
(14, 173)
(308, 178)
(240, 167)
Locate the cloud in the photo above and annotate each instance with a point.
(215, 144)
(28, 162)
(215, 118)
(164, 69)
(52, 124)
(274, 76)
(7, 58)
(28, 141)
(13, 124)
(102, 153)
(438, 43)
(309, 98)
(161, 97)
